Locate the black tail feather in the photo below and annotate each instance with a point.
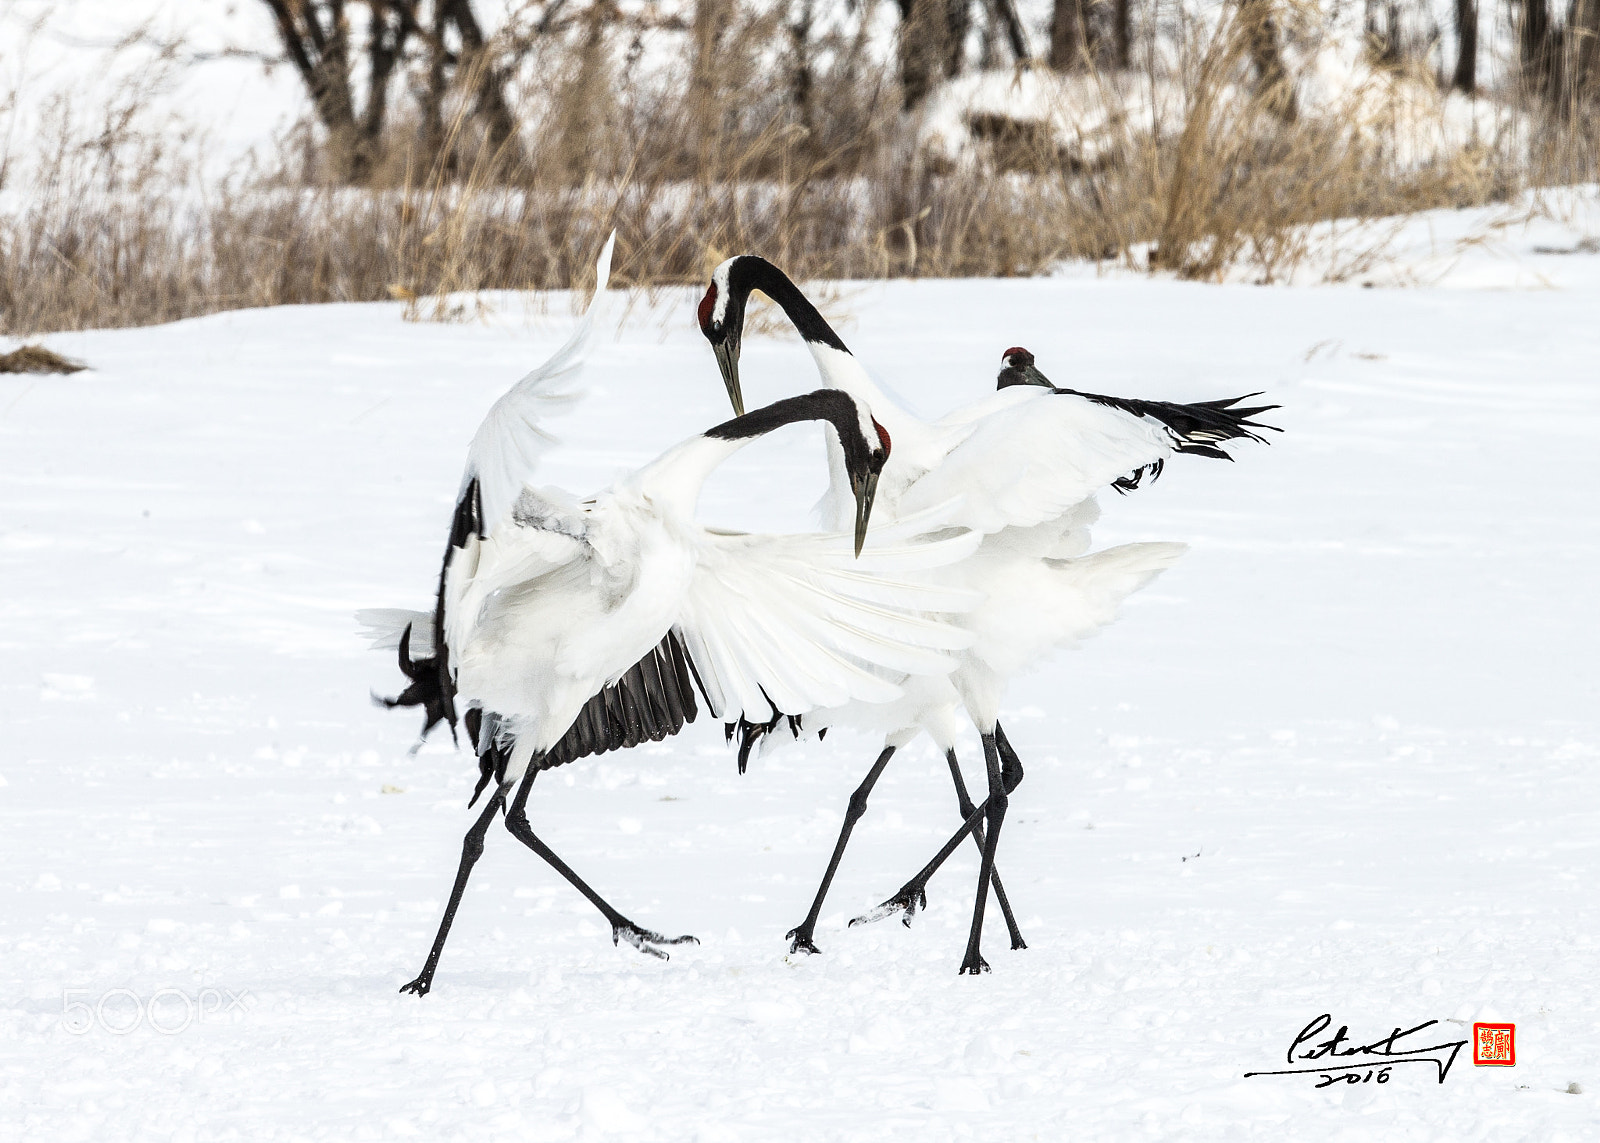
(1195, 426)
(425, 690)
(1195, 429)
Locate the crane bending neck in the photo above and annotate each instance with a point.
(750, 272)
(677, 475)
(837, 366)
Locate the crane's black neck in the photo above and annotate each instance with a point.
(832, 405)
(750, 272)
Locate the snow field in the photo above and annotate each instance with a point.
(1340, 759)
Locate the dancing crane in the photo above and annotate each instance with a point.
(570, 627)
(1026, 461)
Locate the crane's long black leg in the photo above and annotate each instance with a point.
(914, 893)
(622, 929)
(973, 962)
(471, 850)
(967, 807)
(801, 935)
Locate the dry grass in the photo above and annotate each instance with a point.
(38, 359)
(114, 232)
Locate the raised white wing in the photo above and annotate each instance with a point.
(1038, 455)
(786, 624)
(509, 443)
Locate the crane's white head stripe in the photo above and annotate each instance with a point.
(719, 279)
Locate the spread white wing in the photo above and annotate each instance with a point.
(1036, 457)
(509, 444)
(790, 623)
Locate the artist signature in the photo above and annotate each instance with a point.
(1338, 1060)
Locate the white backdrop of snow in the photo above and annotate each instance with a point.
(1341, 759)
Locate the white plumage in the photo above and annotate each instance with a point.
(572, 626)
(1026, 462)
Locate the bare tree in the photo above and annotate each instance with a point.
(1538, 49)
(317, 42)
(1003, 15)
(1466, 73)
(1121, 34)
(711, 20)
(1259, 24)
(1583, 23)
(486, 82)
(933, 38)
(316, 38)
(1072, 39)
(1084, 31)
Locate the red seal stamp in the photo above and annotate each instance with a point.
(1494, 1044)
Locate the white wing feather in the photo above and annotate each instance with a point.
(1032, 461)
(384, 626)
(799, 621)
(509, 444)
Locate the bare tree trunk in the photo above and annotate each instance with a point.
(923, 48)
(1003, 14)
(1466, 74)
(1122, 34)
(705, 103)
(386, 41)
(1260, 27)
(316, 42)
(488, 85)
(1537, 50)
(433, 137)
(1583, 27)
(583, 103)
(803, 81)
(1383, 32)
(1071, 39)
(958, 23)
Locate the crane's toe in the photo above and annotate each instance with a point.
(974, 964)
(907, 901)
(418, 987)
(646, 941)
(800, 941)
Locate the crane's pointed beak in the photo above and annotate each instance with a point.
(1037, 378)
(727, 351)
(865, 490)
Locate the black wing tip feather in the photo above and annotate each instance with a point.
(1196, 423)
(1196, 429)
(652, 700)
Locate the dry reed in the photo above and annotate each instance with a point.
(114, 233)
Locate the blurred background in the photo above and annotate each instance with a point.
(166, 158)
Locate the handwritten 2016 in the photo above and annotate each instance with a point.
(1337, 1059)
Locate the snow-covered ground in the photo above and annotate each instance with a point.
(1341, 760)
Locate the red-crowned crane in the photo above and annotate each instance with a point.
(1026, 462)
(570, 626)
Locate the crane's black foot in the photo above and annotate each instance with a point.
(974, 964)
(907, 901)
(419, 986)
(1018, 943)
(646, 941)
(800, 941)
